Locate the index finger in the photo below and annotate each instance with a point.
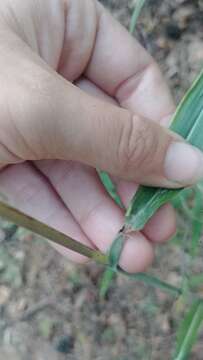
(121, 67)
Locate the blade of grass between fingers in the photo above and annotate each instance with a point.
(19, 218)
(182, 198)
(36, 226)
(104, 177)
(187, 122)
(113, 259)
(110, 187)
(145, 203)
(114, 268)
(188, 330)
(136, 13)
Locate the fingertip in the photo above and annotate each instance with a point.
(137, 255)
(162, 226)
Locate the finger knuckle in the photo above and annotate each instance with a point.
(137, 145)
(40, 92)
(36, 110)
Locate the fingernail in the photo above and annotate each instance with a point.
(183, 163)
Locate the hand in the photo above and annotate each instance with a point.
(78, 92)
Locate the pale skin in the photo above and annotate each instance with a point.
(78, 92)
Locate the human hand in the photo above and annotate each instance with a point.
(78, 92)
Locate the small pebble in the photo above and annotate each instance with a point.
(173, 31)
(65, 344)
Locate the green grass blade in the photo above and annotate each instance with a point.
(188, 122)
(145, 203)
(110, 187)
(182, 198)
(104, 177)
(136, 13)
(153, 281)
(188, 330)
(189, 109)
(116, 250)
(113, 260)
(197, 223)
(106, 280)
(195, 280)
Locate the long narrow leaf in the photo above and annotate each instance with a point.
(21, 219)
(188, 330)
(182, 198)
(110, 187)
(136, 13)
(113, 259)
(104, 176)
(188, 122)
(197, 223)
(145, 203)
(152, 281)
(196, 280)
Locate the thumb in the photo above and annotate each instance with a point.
(57, 120)
(134, 148)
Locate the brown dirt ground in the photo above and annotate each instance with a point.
(49, 307)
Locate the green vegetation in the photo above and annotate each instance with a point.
(188, 122)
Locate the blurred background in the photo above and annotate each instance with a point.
(50, 308)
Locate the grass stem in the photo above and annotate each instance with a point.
(36, 226)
